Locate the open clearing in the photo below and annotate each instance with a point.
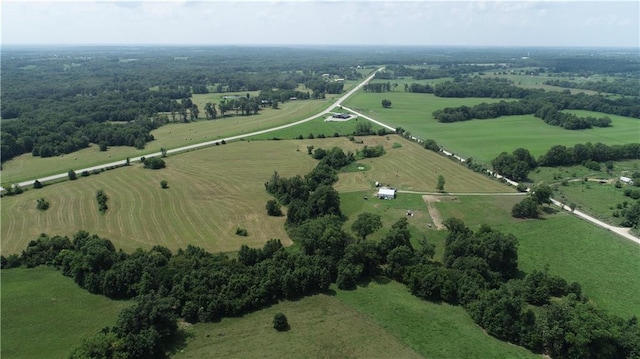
(484, 139)
(321, 327)
(211, 192)
(172, 135)
(431, 329)
(45, 315)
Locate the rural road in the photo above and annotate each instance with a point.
(213, 142)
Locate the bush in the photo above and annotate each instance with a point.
(273, 208)
(280, 322)
(242, 232)
(154, 163)
(592, 165)
(164, 184)
(37, 184)
(42, 205)
(72, 175)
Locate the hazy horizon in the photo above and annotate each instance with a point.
(581, 24)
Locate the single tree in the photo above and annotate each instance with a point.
(163, 151)
(72, 175)
(386, 103)
(366, 224)
(527, 208)
(37, 184)
(42, 205)
(280, 322)
(164, 184)
(103, 146)
(542, 193)
(440, 184)
(194, 112)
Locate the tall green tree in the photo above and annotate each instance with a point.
(440, 184)
(366, 224)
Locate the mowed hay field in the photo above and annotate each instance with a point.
(172, 135)
(485, 139)
(413, 168)
(212, 192)
(321, 327)
(46, 315)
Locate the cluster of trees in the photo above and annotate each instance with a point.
(626, 86)
(529, 207)
(418, 88)
(281, 95)
(569, 121)
(516, 165)
(369, 152)
(480, 87)
(321, 87)
(551, 102)
(377, 87)
(561, 155)
(436, 71)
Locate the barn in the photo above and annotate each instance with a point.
(386, 193)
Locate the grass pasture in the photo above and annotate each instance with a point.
(321, 327)
(315, 127)
(172, 135)
(605, 265)
(45, 315)
(431, 329)
(484, 139)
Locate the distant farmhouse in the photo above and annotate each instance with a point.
(386, 193)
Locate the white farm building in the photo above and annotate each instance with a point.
(386, 193)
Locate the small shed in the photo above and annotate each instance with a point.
(386, 193)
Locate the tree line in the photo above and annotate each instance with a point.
(624, 86)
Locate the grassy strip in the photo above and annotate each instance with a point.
(45, 314)
(321, 327)
(431, 329)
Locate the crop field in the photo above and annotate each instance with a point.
(321, 327)
(433, 330)
(172, 135)
(604, 264)
(212, 192)
(484, 139)
(45, 315)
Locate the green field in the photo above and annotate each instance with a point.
(321, 327)
(433, 330)
(211, 192)
(45, 315)
(315, 127)
(484, 139)
(605, 264)
(173, 135)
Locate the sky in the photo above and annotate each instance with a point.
(328, 22)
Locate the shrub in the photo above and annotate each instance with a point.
(154, 163)
(273, 208)
(242, 232)
(37, 184)
(280, 322)
(164, 184)
(42, 205)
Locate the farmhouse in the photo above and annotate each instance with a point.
(341, 115)
(386, 193)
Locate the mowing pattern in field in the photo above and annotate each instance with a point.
(211, 192)
(433, 330)
(411, 167)
(605, 264)
(45, 315)
(321, 327)
(172, 135)
(485, 139)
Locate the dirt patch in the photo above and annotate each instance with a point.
(433, 212)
